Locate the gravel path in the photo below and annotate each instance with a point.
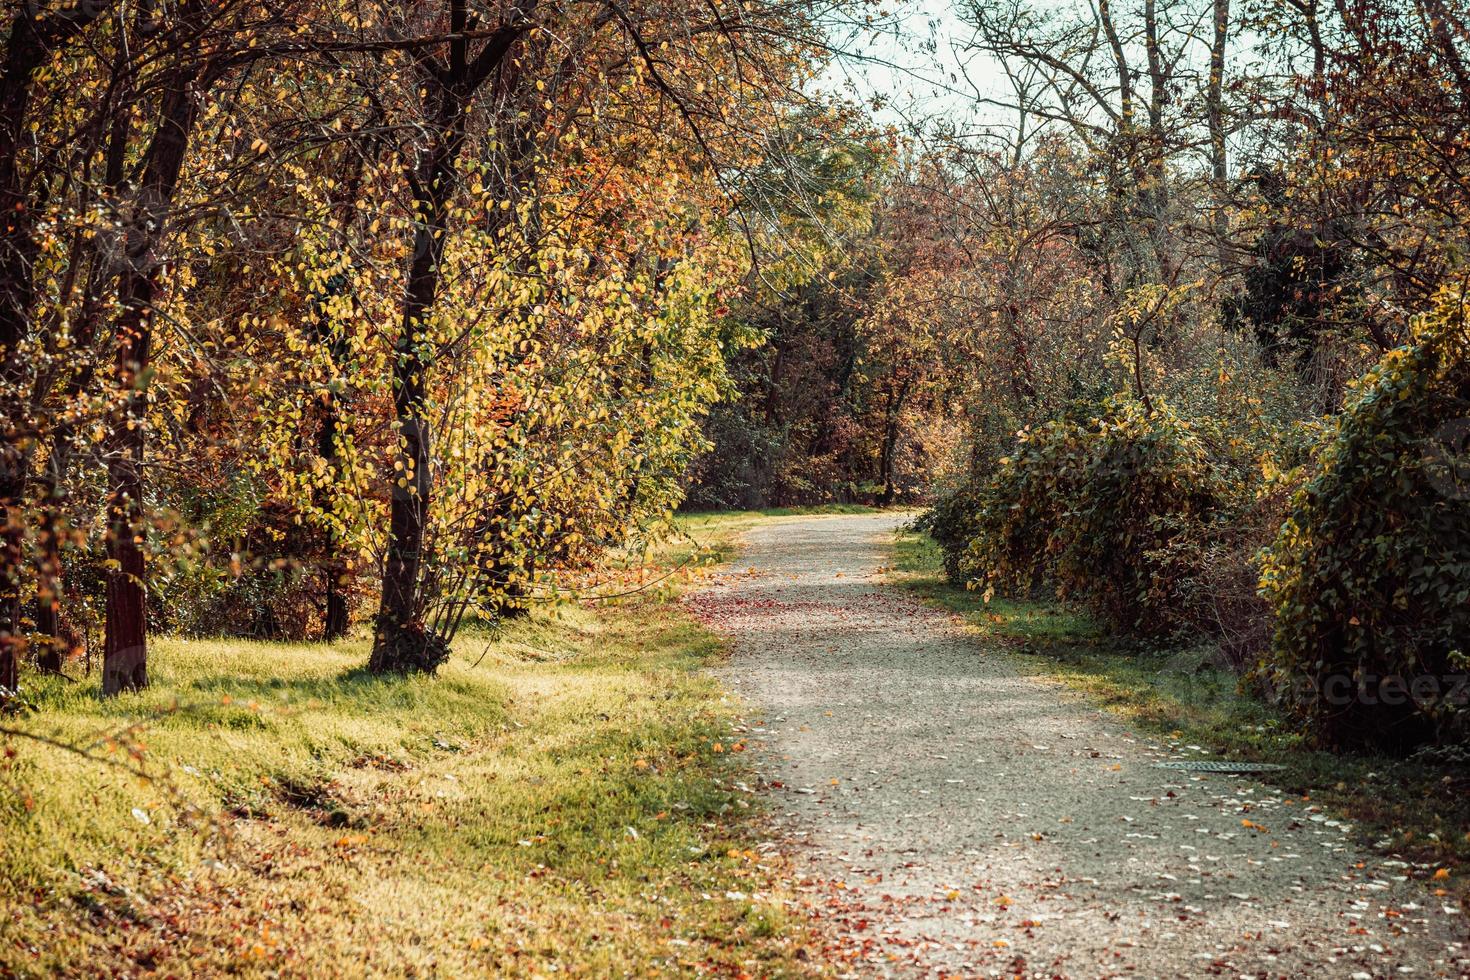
(951, 814)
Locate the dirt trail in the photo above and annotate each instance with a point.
(956, 815)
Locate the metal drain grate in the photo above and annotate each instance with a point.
(1207, 765)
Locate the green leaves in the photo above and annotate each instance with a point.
(1086, 507)
(1369, 574)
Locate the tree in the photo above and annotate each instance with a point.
(34, 36)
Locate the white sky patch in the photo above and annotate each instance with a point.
(915, 66)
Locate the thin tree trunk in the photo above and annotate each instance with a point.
(335, 567)
(402, 641)
(1156, 191)
(397, 646)
(50, 576)
(335, 621)
(1214, 103)
(889, 451)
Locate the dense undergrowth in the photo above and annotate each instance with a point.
(1326, 560)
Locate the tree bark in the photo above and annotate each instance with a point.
(125, 644)
(336, 618)
(402, 641)
(1215, 110)
(401, 610)
(50, 581)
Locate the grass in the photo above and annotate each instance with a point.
(573, 804)
(1417, 809)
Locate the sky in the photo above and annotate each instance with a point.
(916, 67)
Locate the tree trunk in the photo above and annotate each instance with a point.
(335, 567)
(335, 621)
(402, 641)
(889, 450)
(24, 53)
(399, 643)
(1215, 110)
(124, 647)
(1156, 189)
(50, 580)
(125, 643)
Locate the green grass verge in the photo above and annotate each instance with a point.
(1415, 808)
(569, 805)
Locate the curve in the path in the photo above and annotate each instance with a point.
(953, 814)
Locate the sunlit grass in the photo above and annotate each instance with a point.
(569, 805)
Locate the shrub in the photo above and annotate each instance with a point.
(1211, 570)
(1369, 578)
(951, 522)
(1086, 506)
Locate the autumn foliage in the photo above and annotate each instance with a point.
(314, 315)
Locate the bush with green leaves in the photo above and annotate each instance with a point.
(951, 522)
(1369, 578)
(1086, 506)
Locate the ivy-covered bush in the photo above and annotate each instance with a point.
(1369, 578)
(1087, 506)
